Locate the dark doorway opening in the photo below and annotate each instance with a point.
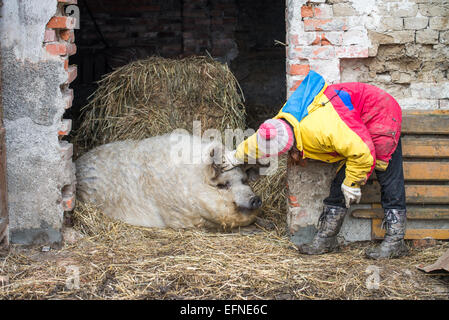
(241, 33)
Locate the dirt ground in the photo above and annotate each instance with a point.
(122, 262)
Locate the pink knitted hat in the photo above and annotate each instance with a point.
(274, 137)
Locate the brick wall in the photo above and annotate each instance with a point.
(209, 25)
(168, 28)
(399, 45)
(147, 26)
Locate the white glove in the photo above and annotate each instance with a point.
(352, 195)
(229, 160)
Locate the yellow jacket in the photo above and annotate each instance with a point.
(324, 131)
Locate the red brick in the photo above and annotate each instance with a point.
(293, 201)
(317, 41)
(424, 243)
(312, 52)
(66, 64)
(71, 49)
(314, 24)
(298, 69)
(323, 11)
(50, 35)
(68, 202)
(323, 52)
(68, 97)
(351, 52)
(61, 49)
(321, 40)
(60, 22)
(66, 126)
(66, 150)
(72, 73)
(317, 12)
(335, 24)
(67, 35)
(57, 49)
(295, 85)
(324, 41)
(306, 11)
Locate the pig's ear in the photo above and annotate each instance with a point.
(213, 171)
(212, 154)
(213, 159)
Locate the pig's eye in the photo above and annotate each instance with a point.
(225, 185)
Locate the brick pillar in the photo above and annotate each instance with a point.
(318, 38)
(59, 42)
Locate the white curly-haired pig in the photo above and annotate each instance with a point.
(145, 183)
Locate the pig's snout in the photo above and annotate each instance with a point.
(255, 202)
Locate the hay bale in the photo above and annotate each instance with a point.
(156, 95)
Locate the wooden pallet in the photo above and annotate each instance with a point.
(425, 148)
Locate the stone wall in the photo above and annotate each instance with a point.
(36, 40)
(399, 45)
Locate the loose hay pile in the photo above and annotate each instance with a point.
(273, 191)
(118, 261)
(157, 95)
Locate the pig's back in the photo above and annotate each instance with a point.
(113, 177)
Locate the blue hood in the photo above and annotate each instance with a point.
(303, 96)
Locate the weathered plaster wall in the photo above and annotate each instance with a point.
(35, 95)
(401, 46)
(409, 51)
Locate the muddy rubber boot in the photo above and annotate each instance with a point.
(393, 245)
(329, 225)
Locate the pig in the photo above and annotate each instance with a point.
(143, 184)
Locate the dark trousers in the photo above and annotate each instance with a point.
(391, 182)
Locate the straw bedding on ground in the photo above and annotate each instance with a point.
(118, 261)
